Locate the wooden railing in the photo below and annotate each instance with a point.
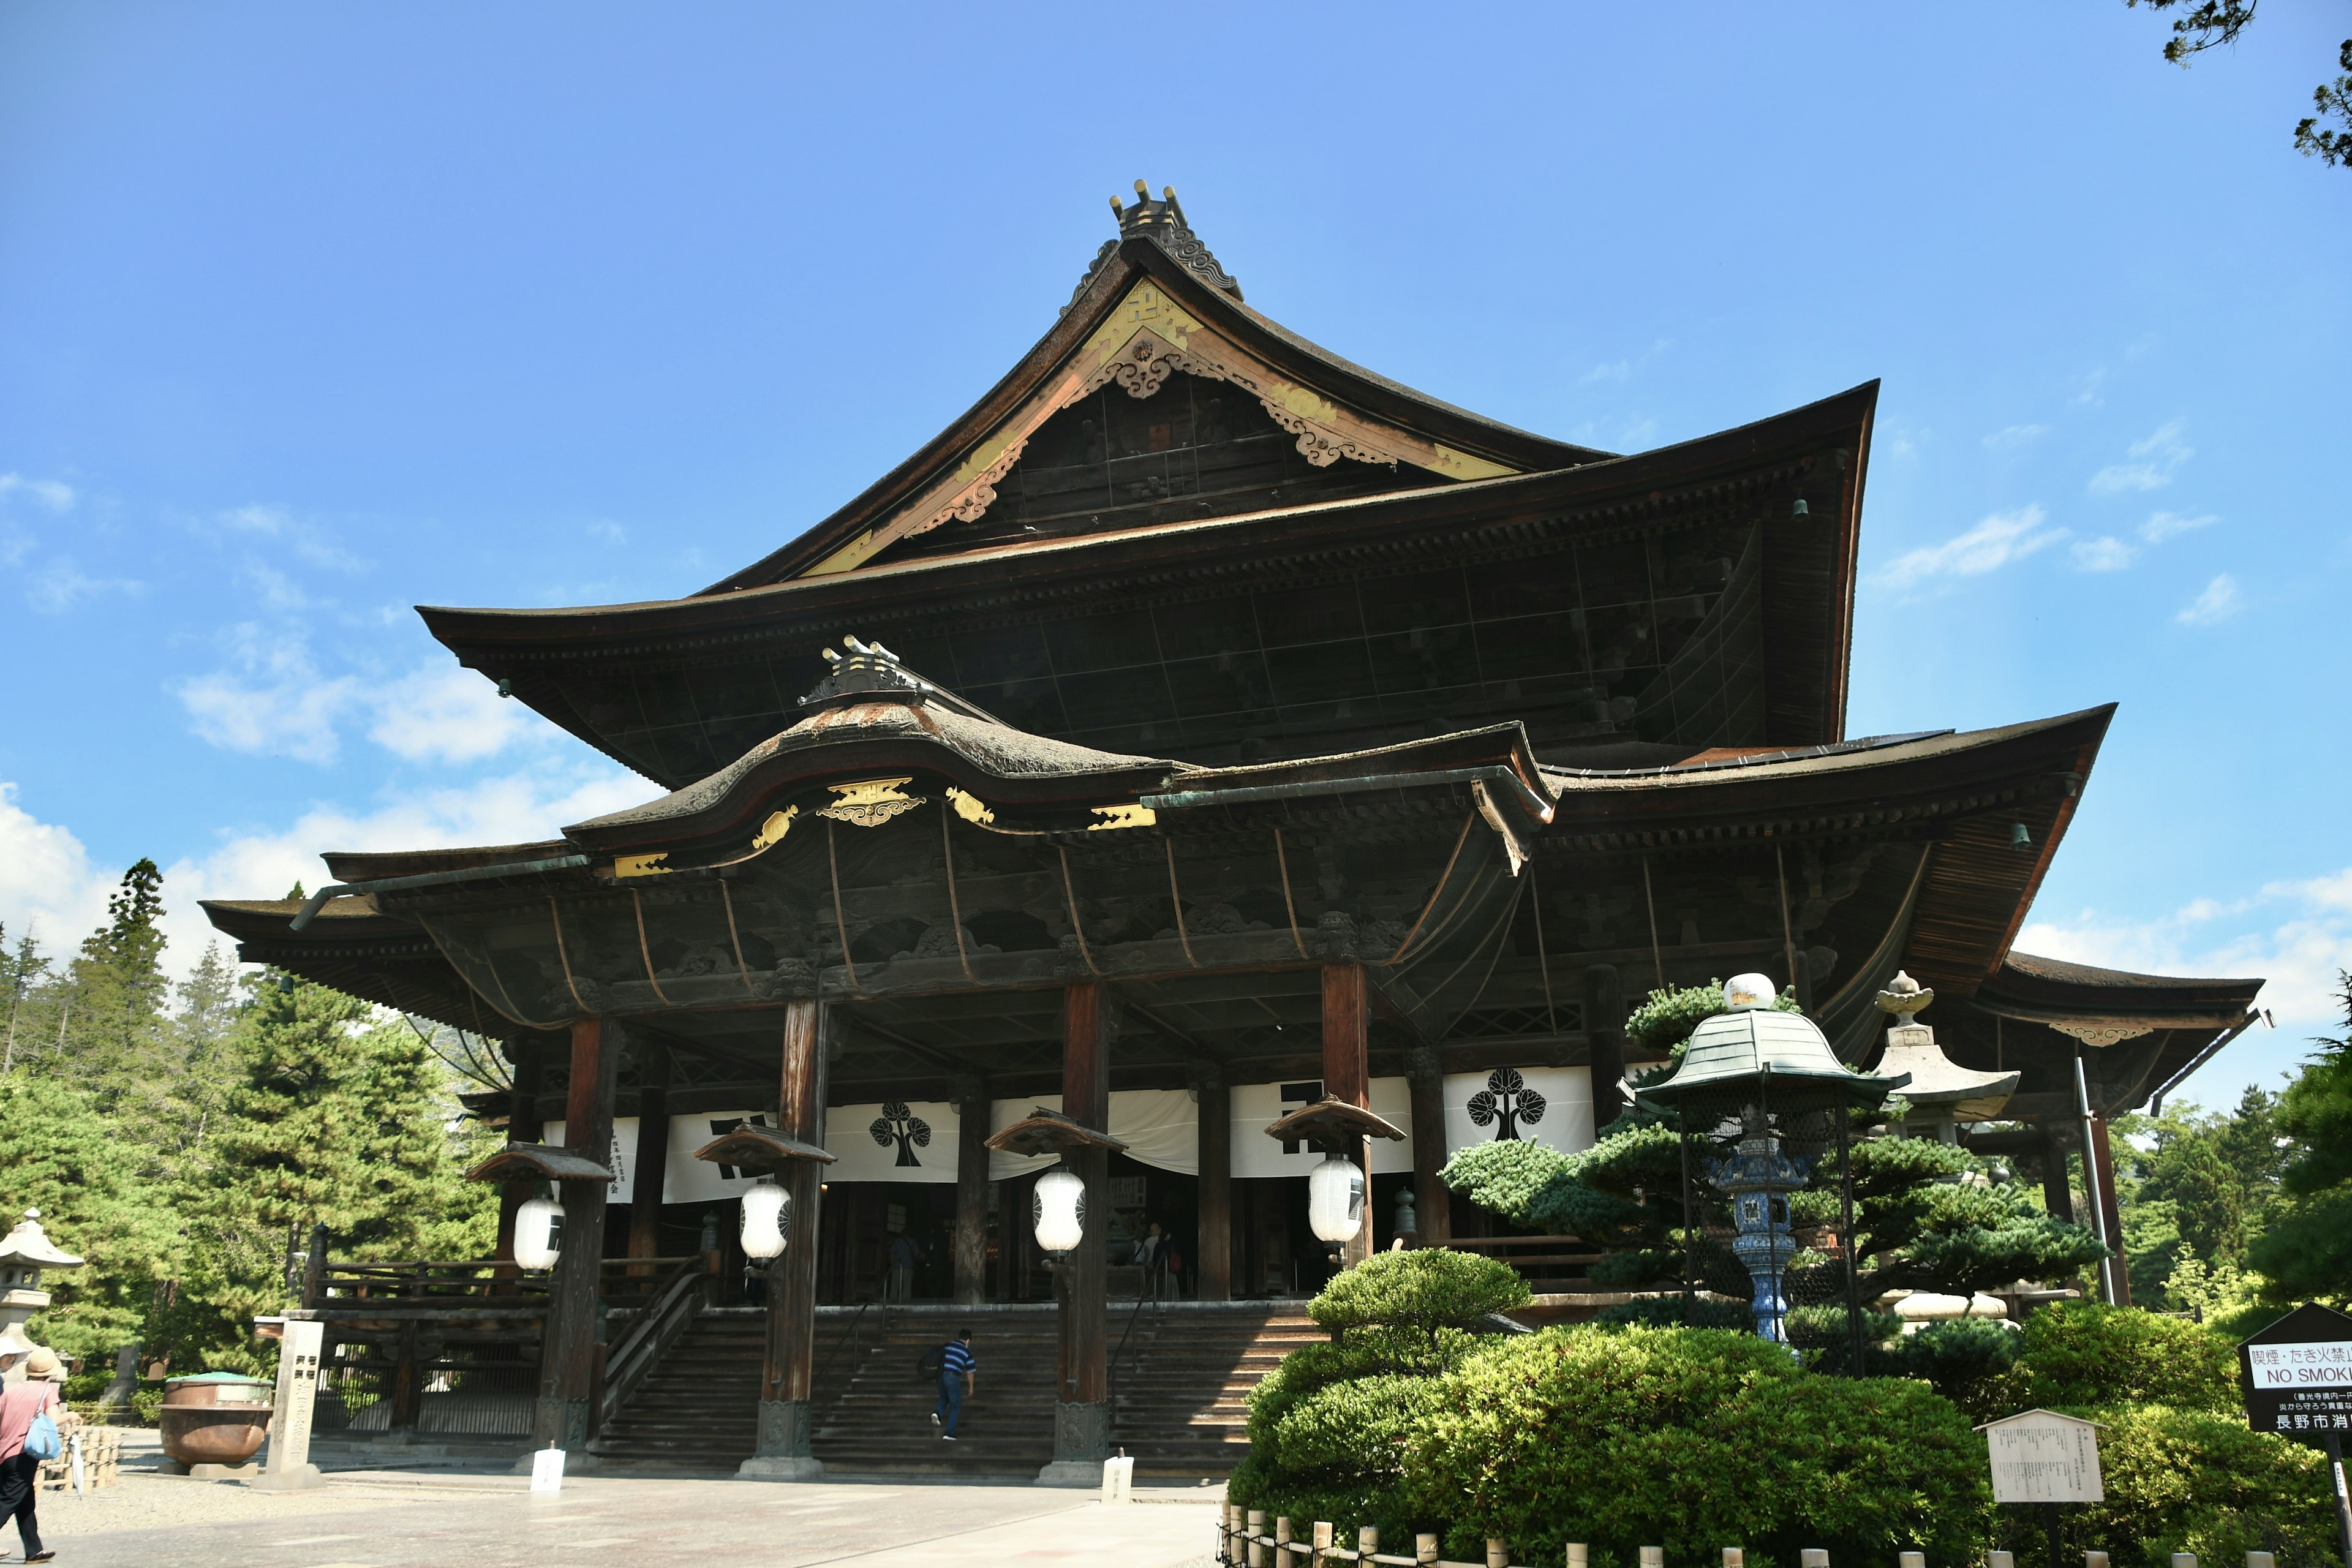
(674, 1302)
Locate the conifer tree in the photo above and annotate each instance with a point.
(59, 1155)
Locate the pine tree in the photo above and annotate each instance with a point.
(112, 1035)
(59, 1154)
(2304, 1252)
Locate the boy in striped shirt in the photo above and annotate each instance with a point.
(956, 1364)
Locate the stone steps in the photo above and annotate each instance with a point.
(1180, 1391)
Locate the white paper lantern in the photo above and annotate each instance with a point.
(1335, 1199)
(1059, 1210)
(767, 1219)
(538, 1234)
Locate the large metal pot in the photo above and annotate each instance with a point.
(215, 1418)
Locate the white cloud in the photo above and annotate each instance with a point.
(62, 585)
(52, 494)
(445, 713)
(2105, 553)
(46, 886)
(2157, 458)
(1617, 371)
(2164, 525)
(2004, 537)
(611, 532)
(2014, 436)
(305, 539)
(2218, 603)
(273, 701)
(275, 704)
(46, 878)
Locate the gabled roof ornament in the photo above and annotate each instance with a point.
(1162, 223)
(872, 673)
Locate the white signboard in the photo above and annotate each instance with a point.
(298, 1395)
(1257, 1106)
(1551, 1106)
(2042, 1457)
(2323, 1365)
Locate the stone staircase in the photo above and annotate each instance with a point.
(1179, 1390)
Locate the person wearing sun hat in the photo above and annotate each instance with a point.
(20, 1473)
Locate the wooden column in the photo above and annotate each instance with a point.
(2102, 1170)
(1214, 1246)
(1604, 1030)
(567, 1361)
(1082, 1394)
(653, 1149)
(782, 1451)
(2057, 1191)
(1433, 1205)
(523, 1126)
(969, 1248)
(1347, 1075)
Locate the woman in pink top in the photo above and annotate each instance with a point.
(20, 1473)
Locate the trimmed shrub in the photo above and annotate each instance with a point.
(2195, 1481)
(1432, 1287)
(1689, 1438)
(2083, 1354)
(1964, 1361)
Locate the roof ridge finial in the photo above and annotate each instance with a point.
(1162, 221)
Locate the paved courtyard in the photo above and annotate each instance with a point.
(387, 1520)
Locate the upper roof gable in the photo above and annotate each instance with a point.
(1153, 304)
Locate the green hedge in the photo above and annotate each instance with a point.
(2200, 1482)
(1427, 1289)
(2080, 1352)
(1692, 1438)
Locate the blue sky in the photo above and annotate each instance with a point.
(309, 315)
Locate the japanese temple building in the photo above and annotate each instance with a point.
(1200, 728)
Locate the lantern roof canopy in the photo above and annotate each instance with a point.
(1784, 1055)
(1330, 1121)
(29, 1246)
(1043, 1132)
(762, 1149)
(544, 1161)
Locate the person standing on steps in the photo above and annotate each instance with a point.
(906, 1252)
(956, 1364)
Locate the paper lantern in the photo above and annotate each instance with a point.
(538, 1234)
(1059, 1210)
(767, 1219)
(1335, 1200)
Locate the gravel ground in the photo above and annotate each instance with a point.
(387, 1520)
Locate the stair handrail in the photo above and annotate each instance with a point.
(644, 1343)
(1111, 1373)
(849, 1336)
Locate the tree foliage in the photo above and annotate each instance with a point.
(185, 1138)
(2304, 1249)
(2325, 135)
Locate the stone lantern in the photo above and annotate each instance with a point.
(1941, 1093)
(1753, 1081)
(24, 1254)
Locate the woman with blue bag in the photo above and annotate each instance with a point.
(28, 1434)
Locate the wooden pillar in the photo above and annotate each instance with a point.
(782, 1451)
(1433, 1205)
(567, 1363)
(1347, 1075)
(2057, 1191)
(523, 1126)
(2102, 1169)
(1604, 1032)
(1082, 1394)
(653, 1149)
(1213, 1244)
(969, 1248)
